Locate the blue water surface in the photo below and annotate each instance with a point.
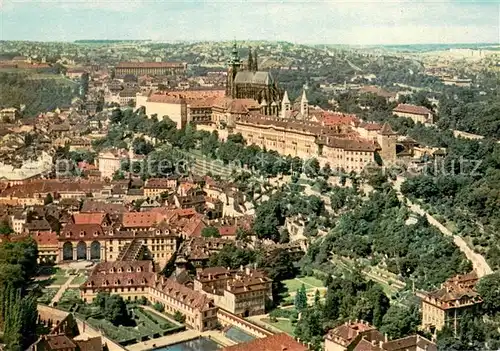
(200, 344)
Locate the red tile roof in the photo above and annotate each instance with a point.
(81, 232)
(412, 109)
(140, 219)
(336, 118)
(46, 238)
(277, 342)
(89, 218)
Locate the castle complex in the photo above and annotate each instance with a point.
(254, 105)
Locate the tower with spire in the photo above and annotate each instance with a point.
(255, 66)
(304, 106)
(250, 59)
(234, 64)
(286, 106)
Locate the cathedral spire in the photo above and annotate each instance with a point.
(255, 67)
(250, 59)
(235, 56)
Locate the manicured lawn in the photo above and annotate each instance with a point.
(82, 278)
(282, 324)
(59, 279)
(309, 283)
(69, 298)
(292, 284)
(312, 281)
(48, 295)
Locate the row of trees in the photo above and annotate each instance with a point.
(18, 306)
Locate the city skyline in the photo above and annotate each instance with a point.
(318, 22)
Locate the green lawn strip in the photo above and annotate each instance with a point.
(312, 281)
(282, 324)
(48, 295)
(292, 284)
(59, 280)
(79, 280)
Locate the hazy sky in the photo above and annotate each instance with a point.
(306, 21)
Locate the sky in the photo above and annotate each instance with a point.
(367, 22)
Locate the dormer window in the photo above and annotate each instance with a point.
(82, 234)
(110, 232)
(68, 234)
(129, 269)
(105, 283)
(139, 269)
(120, 270)
(129, 282)
(117, 282)
(158, 231)
(112, 270)
(96, 234)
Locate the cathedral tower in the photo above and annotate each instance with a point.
(255, 67)
(250, 59)
(234, 64)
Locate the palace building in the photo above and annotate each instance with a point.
(445, 306)
(242, 292)
(150, 68)
(137, 279)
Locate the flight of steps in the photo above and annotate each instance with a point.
(131, 251)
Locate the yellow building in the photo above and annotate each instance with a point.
(308, 139)
(445, 306)
(133, 280)
(243, 292)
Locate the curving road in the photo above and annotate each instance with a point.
(479, 263)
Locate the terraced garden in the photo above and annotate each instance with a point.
(148, 325)
(47, 295)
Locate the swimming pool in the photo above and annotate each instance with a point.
(200, 344)
(238, 335)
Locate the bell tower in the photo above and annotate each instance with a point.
(234, 64)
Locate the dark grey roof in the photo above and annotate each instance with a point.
(259, 77)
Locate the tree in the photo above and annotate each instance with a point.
(317, 298)
(301, 298)
(210, 232)
(232, 256)
(489, 290)
(401, 321)
(179, 317)
(312, 168)
(113, 308)
(48, 199)
(5, 228)
(116, 116)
